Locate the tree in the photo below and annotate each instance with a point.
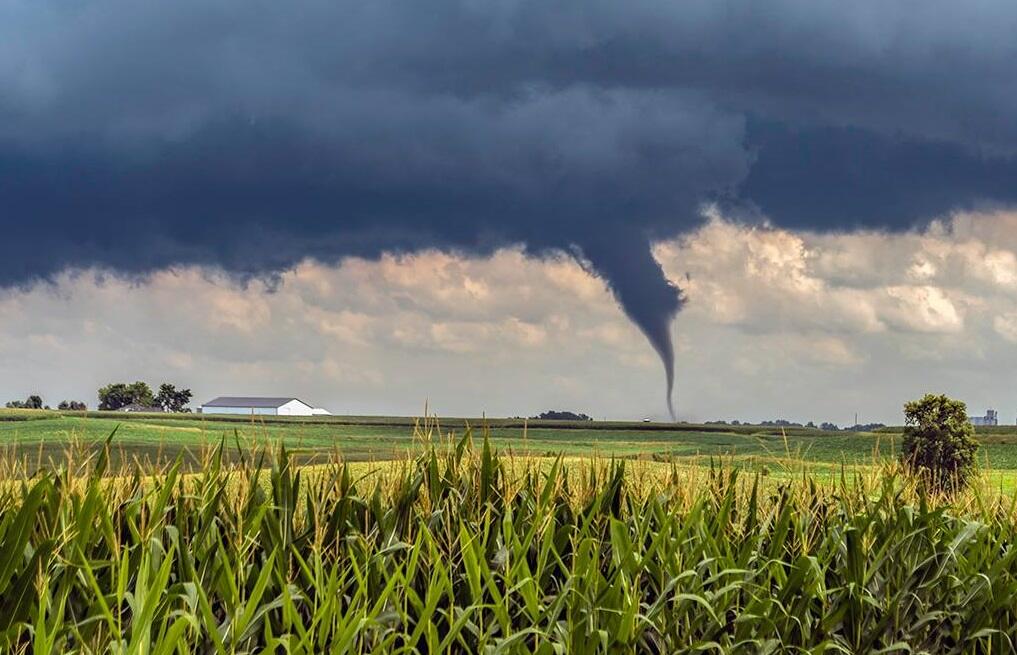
(32, 402)
(939, 442)
(118, 395)
(559, 415)
(114, 396)
(142, 394)
(865, 427)
(73, 405)
(173, 400)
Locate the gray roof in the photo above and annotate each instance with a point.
(249, 401)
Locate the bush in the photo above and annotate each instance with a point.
(939, 442)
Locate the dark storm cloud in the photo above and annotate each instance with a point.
(845, 178)
(250, 135)
(548, 169)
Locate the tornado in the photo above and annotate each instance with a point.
(638, 283)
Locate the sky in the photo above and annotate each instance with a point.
(510, 206)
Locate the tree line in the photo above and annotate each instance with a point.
(35, 402)
(784, 423)
(119, 395)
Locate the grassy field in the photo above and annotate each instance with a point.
(42, 436)
(360, 438)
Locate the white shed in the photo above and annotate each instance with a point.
(260, 406)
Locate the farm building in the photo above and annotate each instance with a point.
(261, 406)
(136, 407)
(991, 418)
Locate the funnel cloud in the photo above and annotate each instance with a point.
(249, 137)
(649, 299)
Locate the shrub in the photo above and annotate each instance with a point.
(939, 442)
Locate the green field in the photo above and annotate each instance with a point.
(45, 434)
(360, 438)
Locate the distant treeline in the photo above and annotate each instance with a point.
(560, 415)
(118, 396)
(829, 427)
(35, 402)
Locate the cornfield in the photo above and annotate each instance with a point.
(465, 550)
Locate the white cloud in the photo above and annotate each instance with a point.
(922, 309)
(809, 326)
(1006, 326)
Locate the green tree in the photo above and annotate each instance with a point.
(172, 399)
(118, 395)
(32, 402)
(142, 394)
(114, 396)
(939, 442)
(73, 405)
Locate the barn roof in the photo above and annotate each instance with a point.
(249, 401)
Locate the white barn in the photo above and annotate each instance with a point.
(261, 406)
